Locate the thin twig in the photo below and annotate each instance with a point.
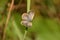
(8, 17)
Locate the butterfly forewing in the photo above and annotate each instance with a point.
(24, 16)
(31, 15)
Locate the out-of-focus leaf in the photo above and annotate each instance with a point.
(2, 5)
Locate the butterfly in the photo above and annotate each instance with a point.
(27, 18)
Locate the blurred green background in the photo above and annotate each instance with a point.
(46, 22)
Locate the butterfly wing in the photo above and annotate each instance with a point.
(24, 16)
(31, 15)
(26, 23)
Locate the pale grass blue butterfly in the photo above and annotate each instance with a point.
(27, 18)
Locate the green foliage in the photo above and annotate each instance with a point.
(43, 28)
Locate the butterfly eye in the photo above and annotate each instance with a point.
(24, 16)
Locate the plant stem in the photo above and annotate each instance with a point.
(25, 34)
(28, 5)
(28, 9)
(7, 20)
